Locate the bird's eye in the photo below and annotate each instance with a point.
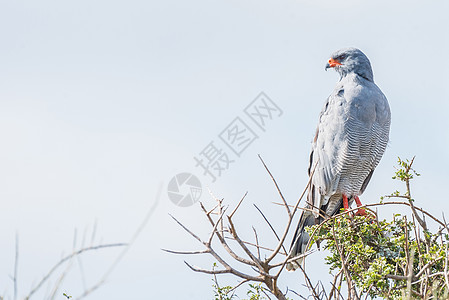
(341, 57)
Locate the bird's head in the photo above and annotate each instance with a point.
(350, 60)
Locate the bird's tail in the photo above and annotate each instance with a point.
(307, 219)
(301, 239)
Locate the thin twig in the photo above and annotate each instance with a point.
(290, 219)
(271, 227)
(334, 287)
(16, 267)
(128, 246)
(257, 242)
(239, 284)
(243, 246)
(256, 246)
(277, 186)
(309, 283)
(224, 244)
(238, 205)
(186, 252)
(214, 230)
(63, 260)
(291, 259)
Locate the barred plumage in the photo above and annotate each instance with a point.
(352, 134)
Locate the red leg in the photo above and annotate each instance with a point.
(361, 211)
(345, 202)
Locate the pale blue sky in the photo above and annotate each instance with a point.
(102, 101)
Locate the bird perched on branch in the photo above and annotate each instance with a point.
(349, 142)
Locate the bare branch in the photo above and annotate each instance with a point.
(271, 227)
(186, 252)
(292, 259)
(335, 288)
(242, 245)
(277, 186)
(126, 249)
(198, 269)
(214, 230)
(239, 284)
(257, 246)
(257, 242)
(290, 219)
(186, 229)
(309, 283)
(238, 205)
(68, 257)
(16, 267)
(224, 244)
(61, 279)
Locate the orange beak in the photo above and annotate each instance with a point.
(333, 62)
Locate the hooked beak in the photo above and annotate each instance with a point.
(331, 63)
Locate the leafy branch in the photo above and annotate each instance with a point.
(397, 259)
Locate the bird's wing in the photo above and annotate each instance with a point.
(351, 137)
(326, 144)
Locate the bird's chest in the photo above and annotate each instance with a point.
(336, 108)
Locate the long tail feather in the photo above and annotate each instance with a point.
(301, 237)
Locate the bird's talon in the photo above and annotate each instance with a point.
(361, 212)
